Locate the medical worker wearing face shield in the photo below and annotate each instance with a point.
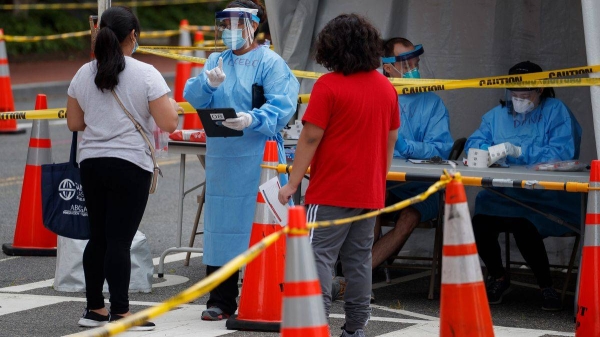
(534, 127)
(233, 163)
(424, 133)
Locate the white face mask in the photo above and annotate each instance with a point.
(522, 105)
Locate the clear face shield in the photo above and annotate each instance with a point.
(234, 27)
(522, 101)
(409, 64)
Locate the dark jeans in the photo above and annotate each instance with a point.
(225, 294)
(116, 193)
(529, 241)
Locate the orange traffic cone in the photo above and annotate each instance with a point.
(303, 311)
(31, 237)
(6, 97)
(588, 301)
(191, 120)
(183, 68)
(464, 308)
(262, 289)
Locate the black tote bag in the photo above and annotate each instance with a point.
(63, 203)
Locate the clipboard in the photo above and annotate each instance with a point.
(212, 120)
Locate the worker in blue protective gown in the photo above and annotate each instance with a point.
(531, 127)
(233, 163)
(424, 133)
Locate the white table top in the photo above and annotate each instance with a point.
(513, 172)
(179, 147)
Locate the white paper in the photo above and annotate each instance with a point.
(270, 192)
(497, 153)
(478, 158)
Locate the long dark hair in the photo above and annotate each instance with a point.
(252, 4)
(349, 44)
(115, 25)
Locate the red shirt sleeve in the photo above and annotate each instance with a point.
(319, 109)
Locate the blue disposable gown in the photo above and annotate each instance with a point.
(425, 126)
(233, 164)
(548, 133)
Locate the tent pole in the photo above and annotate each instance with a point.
(591, 28)
(102, 6)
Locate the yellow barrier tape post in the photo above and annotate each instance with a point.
(195, 291)
(576, 187)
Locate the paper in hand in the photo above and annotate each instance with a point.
(270, 191)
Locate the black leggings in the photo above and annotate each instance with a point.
(116, 193)
(529, 241)
(225, 294)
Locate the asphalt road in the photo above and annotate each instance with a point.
(400, 306)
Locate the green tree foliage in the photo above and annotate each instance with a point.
(50, 22)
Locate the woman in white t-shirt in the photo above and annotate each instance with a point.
(116, 166)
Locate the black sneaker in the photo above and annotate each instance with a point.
(551, 300)
(91, 319)
(146, 326)
(496, 289)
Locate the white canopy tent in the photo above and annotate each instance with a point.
(463, 39)
(466, 39)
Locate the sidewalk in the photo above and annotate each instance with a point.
(60, 71)
(52, 78)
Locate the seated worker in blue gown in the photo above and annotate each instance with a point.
(424, 133)
(534, 127)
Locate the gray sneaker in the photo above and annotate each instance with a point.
(357, 333)
(338, 288)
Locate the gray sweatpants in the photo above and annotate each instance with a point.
(353, 242)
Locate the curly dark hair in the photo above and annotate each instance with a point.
(349, 44)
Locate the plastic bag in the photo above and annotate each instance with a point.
(161, 142)
(198, 136)
(564, 166)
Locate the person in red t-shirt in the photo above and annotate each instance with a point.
(350, 128)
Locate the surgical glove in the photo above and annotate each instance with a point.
(401, 145)
(242, 121)
(215, 76)
(512, 150)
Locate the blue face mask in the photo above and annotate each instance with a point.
(413, 73)
(233, 42)
(135, 47)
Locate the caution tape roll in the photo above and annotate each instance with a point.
(92, 5)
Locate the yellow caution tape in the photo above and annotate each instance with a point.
(552, 78)
(92, 5)
(159, 33)
(435, 187)
(14, 38)
(10, 38)
(167, 54)
(61, 113)
(190, 294)
(210, 29)
(207, 46)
